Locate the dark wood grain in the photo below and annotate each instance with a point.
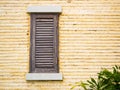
(44, 43)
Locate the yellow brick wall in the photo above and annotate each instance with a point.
(89, 39)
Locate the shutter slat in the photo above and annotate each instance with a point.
(48, 56)
(41, 37)
(43, 65)
(44, 30)
(43, 41)
(44, 34)
(45, 19)
(38, 27)
(44, 58)
(44, 53)
(44, 49)
(44, 25)
(42, 44)
(44, 61)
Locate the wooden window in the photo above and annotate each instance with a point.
(44, 43)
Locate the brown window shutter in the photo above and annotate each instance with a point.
(44, 43)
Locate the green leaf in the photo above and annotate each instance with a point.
(93, 80)
(91, 84)
(72, 87)
(84, 85)
(103, 87)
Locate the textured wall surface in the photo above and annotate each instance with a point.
(89, 39)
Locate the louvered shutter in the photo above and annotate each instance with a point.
(44, 43)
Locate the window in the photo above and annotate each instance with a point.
(44, 43)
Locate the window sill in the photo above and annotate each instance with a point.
(44, 76)
(44, 9)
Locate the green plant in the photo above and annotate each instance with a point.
(106, 80)
(112, 78)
